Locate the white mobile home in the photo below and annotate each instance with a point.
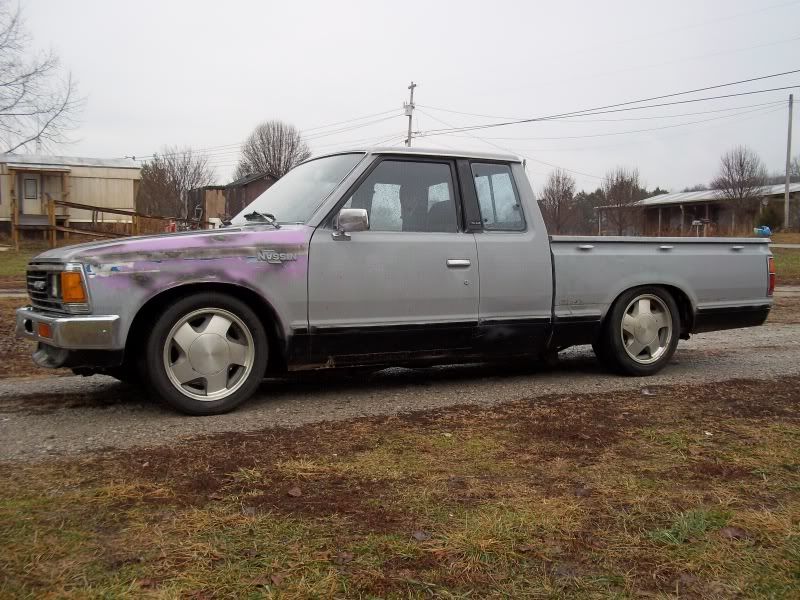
(28, 181)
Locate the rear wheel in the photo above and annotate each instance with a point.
(206, 354)
(641, 333)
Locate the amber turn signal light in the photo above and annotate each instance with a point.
(44, 330)
(72, 291)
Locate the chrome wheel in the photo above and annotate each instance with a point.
(208, 354)
(646, 329)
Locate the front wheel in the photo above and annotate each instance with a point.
(642, 331)
(206, 354)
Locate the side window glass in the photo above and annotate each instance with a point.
(385, 213)
(408, 196)
(497, 197)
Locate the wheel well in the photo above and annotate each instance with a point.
(685, 313)
(266, 313)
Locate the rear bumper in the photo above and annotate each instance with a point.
(71, 332)
(733, 317)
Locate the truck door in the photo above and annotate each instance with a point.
(514, 255)
(406, 286)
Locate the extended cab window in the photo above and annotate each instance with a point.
(402, 195)
(497, 197)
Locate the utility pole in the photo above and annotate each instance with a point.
(788, 166)
(410, 111)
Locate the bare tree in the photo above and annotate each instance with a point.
(621, 192)
(698, 187)
(38, 103)
(167, 180)
(740, 181)
(274, 147)
(557, 201)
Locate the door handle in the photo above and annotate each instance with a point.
(458, 263)
(585, 247)
(665, 247)
(737, 248)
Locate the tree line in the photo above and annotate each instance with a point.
(566, 211)
(740, 182)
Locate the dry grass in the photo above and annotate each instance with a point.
(694, 491)
(787, 237)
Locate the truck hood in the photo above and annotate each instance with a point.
(203, 244)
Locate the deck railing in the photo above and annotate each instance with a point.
(139, 222)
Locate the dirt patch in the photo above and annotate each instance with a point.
(584, 428)
(706, 469)
(15, 354)
(121, 395)
(574, 428)
(786, 310)
(12, 283)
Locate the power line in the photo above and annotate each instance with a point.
(592, 135)
(350, 127)
(628, 142)
(485, 141)
(598, 109)
(653, 117)
(225, 154)
(385, 112)
(235, 146)
(602, 112)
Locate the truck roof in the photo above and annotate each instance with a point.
(427, 152)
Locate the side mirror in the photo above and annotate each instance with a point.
(350, 219)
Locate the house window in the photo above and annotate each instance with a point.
(31, 189)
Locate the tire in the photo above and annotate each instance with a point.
(641, 332)
(206, 354)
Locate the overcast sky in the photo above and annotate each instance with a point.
(203, 74)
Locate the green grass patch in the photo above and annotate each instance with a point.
(787, 264)
(13, 263)
(691, 525)
(558, 497)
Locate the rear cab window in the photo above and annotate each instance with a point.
(498, 198)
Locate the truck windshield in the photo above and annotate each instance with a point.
(296, 195)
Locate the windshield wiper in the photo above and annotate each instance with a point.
(268, 218)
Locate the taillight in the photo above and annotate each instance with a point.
(771, 267)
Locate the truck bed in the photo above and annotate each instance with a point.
(716, 276)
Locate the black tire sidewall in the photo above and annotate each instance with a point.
(156, 376)
(615, 353)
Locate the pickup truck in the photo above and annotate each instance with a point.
(377, 258)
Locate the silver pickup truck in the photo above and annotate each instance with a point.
(373, 258)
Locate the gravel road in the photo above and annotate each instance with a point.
(41, 418)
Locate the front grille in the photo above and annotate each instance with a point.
(43, 287)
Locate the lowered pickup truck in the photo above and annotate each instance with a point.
(373, 258)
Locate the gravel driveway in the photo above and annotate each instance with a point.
(68, 415)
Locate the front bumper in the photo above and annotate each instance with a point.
(71, 332)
